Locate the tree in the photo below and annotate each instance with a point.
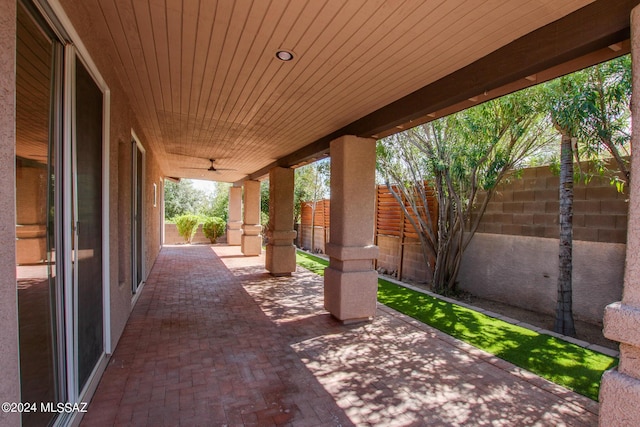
(217, 205)
(604, 122)
(264, 205)
(460, 156)
(590, 110)
(311, 185)
(564, 101)
(182, 198)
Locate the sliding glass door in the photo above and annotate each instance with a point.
(59, 217)
(38, 220)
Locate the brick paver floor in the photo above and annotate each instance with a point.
(214, 340)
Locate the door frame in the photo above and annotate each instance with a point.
(135, 147)
(74, 50)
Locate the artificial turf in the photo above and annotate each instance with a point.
(561, 362)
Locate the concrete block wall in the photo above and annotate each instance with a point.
(514, 255)
(319, 237)
(413, 265)
(528, 206)
(523, 271)
(389, 255)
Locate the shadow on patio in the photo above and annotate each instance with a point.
(215, 340)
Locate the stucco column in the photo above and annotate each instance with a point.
(234, 221)
(620, 387)
(251, 241)
(281, 253)
(350, 282)
(10, 383)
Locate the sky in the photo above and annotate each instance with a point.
(208, 186)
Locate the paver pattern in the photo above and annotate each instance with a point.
(214, 340)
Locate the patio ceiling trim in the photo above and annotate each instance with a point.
(593, 28)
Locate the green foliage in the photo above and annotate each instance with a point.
(312, 183)
(472, 151)
(592, 106)
(182, 198)
(264, 203)
(187, 225)
(606, 112)
(459, 156)
(217, 205)
(213, 227)
(563, 363)
(590, 110)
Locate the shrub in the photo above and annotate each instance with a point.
(187, 226)
(264, 221)
(213, 228)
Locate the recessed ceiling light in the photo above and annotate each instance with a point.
(284, 55)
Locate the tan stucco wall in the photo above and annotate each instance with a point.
(152, 214)
(9, 386)
(632, 275)
(523, 271)
(124, 202)
(620, 387)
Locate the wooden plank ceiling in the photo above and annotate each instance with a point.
(204, 81)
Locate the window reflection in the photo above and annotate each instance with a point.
(35, 216)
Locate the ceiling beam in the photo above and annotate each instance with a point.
(594, 27)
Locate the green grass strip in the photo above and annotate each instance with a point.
(311, 263)
(561, 362)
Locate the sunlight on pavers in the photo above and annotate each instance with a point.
(215, 340)
(390, 372)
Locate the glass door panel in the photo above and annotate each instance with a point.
(138, 159)
(38, 69)
(88, 248)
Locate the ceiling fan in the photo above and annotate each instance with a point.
(212, 168)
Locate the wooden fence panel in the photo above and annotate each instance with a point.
(392, 221)
(390, 218)
(389, 215)
(321, 223)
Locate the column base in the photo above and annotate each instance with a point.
(619, 397)
(234, 237)
(350, 296)
(280, 260)
(251, 245)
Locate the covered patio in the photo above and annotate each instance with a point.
(103, 101)
(216, 340)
